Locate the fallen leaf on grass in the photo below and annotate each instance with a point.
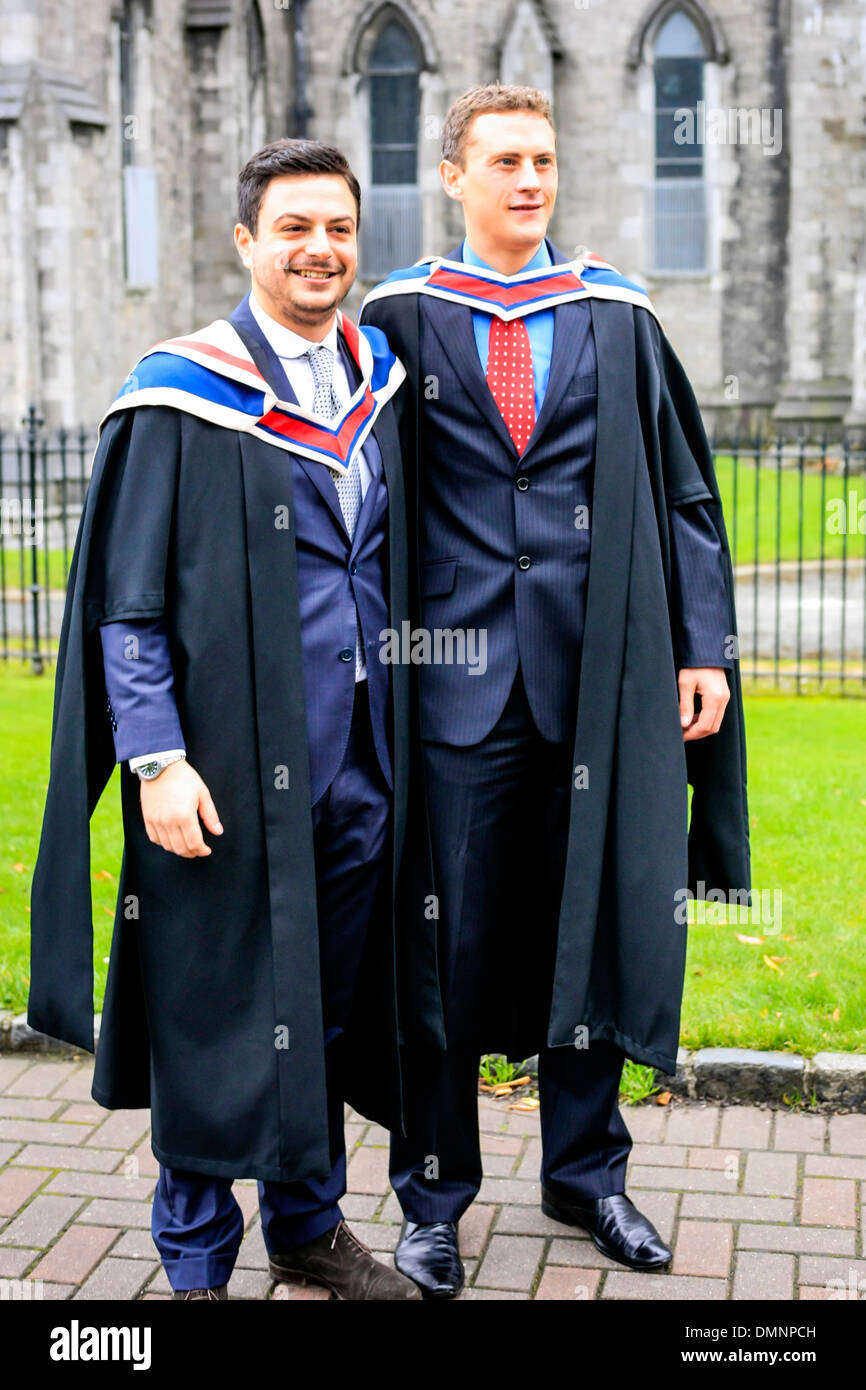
(103, 873)
(750, 940)
(768, 960)
(19, 868)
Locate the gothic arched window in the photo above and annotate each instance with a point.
(680, 219)
(391, 234)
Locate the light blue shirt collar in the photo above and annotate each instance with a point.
(541, 257)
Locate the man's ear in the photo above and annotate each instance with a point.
(243, 242)
(451, 174)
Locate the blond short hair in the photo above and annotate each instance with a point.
(495, 96)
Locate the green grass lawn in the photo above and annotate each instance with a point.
(779, 505)
(807, 779)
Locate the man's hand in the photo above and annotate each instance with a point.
(711, 683)
(171, 805)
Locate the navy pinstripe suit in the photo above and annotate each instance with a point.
(500, 550)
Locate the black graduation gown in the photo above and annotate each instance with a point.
(212, 1012)
(621, 943)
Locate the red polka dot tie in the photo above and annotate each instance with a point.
(510, 378)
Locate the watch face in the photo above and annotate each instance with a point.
(149, 770)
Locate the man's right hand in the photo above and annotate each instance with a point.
(171, 805)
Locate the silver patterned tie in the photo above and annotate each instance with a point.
(327, 403)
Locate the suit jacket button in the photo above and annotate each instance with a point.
(523, 483)
(524, 562)
(347, 654)
(353, 568)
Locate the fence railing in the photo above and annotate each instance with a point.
(795, 515)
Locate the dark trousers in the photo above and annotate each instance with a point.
(499, 813)
(196, 1222)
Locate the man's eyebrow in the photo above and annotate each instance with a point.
(515, 154)
(302, 217)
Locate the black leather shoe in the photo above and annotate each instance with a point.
(429, 1255)
(616, 1226)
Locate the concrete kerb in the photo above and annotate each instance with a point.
(736, 1075)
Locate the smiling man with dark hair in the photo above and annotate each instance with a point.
(241, 549)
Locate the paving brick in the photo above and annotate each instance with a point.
(496, 1190)
(771, 1174)
(99, 1185)
(681, 1179)
(828, 1166)
(829, 1202)
(138, 1245)
(16, 1186)
(247, 1197)
(501, 1144)
(800, 1133)
(141, 1163)
(795, 1239)
(510, 1263)
(530, 1163)
(808, 1294)
(745, 1127)
(578, 1252)
(704, 1248)
(10, 1067)
(14, 1262)
(727, 1160)
(692, 1124)
(250, 1284)
(707, 1206)
(359, 1206)
(661, 1209)
(848, 1134)
(377, 1235)
(368, 1171)
(77, 1085)
(76, 1112)
(65, 1156)
(253, 1253)
(43, 1132)
(377, 1137)
(525, 1122)
(567, 1284)
(354, 1135)
(57, 1291)
(391, 1210)
(73, 1256)
(474, 1229)
(821, 1269)
(530, 1221)
(121, 1130)
(17, 1108)
(103, 1211)
(663, 1155)
(39, 1079)
(645, 1123)
(40, 1222)
(625, 1284)
(7, 1151)
(115, 1279)
(761, 1275)
(502, 1166)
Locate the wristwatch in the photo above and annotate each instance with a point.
(148, 771)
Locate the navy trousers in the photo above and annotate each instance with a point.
(499, 812)
(196, 1222)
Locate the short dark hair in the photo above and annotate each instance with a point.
(289, 157)
(494, 96)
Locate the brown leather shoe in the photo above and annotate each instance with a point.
(202, 1295)
(342, 1262)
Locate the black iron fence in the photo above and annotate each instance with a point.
(795, 513)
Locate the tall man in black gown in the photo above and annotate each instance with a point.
(566, 506)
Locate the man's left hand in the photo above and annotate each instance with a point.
(711, 683)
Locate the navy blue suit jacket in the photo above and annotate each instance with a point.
(334, 575)
(505, 539)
